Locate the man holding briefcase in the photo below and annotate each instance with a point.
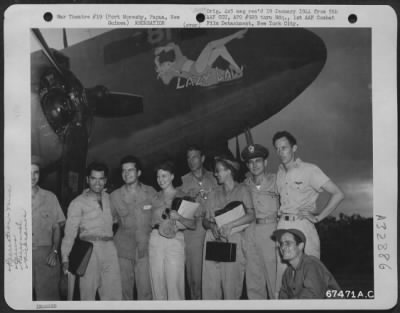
(90, 215)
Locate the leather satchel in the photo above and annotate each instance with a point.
(220, 251)
(80, 256)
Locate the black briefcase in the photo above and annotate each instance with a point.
(79, 257)
(220, 251)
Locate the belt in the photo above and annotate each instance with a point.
(288, 217)
(266, 220)
(97, 238)
(157, 226)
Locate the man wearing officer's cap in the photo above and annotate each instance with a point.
(254, 151)
(46, 219)
(261, 249)
(306, 277)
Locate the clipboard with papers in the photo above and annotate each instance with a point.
(186, 207)
(231, 212)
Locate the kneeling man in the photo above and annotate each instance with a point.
(305, 277)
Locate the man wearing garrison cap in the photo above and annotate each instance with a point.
(261, 249)
(299, 184)
(305, 277)
(46, 219)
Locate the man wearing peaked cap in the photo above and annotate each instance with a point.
(47, 218)
(306, 277)
(261, 249)
(254, 151)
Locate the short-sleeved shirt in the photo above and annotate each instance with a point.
(195, 187)
(46, 212)
(219, 198)
(299, 187)
(265, 196)
(89, 218)
(309, 280)
(134, 219)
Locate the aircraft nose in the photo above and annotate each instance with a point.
(286, 62)
(278, 65)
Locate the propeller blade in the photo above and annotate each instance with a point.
(46, 50)
(75, 147)
(249, 136)
(237, 150)
(113, 104)
(65, 41)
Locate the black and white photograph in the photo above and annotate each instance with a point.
(202, 163)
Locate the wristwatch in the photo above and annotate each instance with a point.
(55, 251)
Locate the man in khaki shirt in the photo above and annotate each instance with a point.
(261, 248)
(198, 183)
(89, 215)
(299, 184)
(46, 219)
(131, 206)
(306, 277)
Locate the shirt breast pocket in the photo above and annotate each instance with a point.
(45, 215)
(90, 213)
(122, 211)
(46, 220)
(299, 185)
(146, 214)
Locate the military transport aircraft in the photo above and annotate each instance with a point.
(152, 92)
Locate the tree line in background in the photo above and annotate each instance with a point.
(347, 250)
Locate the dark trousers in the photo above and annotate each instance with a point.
(45, 278)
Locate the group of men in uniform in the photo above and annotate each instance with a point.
(282, 241)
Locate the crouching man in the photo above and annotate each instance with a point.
(305, 277)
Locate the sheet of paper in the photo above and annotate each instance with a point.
(326, 73)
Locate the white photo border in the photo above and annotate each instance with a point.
(19, 19)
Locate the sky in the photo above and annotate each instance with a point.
(331, 119)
